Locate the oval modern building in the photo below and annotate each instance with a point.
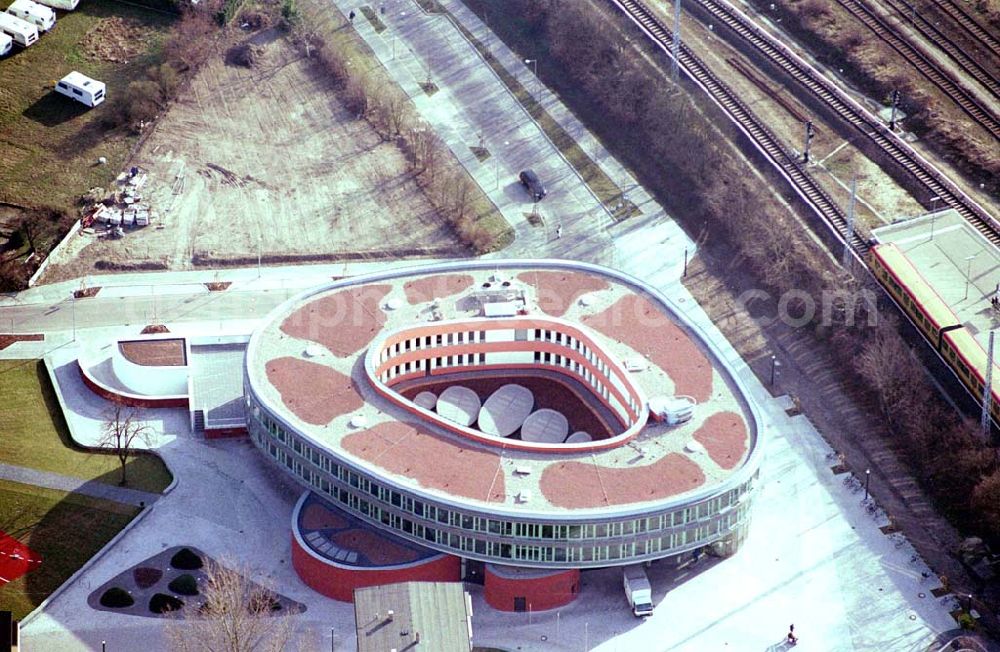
(511, 422)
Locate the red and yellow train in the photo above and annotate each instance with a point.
(936, 321)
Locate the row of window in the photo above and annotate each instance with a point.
(568, 552)
(540, 335)
(483, 535)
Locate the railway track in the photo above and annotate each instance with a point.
(970, 24)
(787, 164)
(964, 60)
(870, 127)
(928, 68)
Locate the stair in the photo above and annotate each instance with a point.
(199, 421)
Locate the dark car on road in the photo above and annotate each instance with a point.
(533, 184)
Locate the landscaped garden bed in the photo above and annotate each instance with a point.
(168, 582)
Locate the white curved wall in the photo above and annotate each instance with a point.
(149, 381)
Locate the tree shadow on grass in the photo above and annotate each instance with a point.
(139, 462)
(65, 535)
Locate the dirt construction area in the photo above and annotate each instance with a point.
(266, 156)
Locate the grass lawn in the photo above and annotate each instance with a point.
(65, 529)
(49, 142)
(35, 434)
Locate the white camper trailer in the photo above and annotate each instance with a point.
(24, 34)
(81, 88)
(6, 44)
(65, 5)
(38, 15)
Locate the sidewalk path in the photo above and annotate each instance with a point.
(91, 488)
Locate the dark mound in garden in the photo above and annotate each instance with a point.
(185, 559)
(184, 585)
(117, 598)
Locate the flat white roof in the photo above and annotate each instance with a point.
(459, 404)
(960, 264)
(505, 410)
(546, 426)
(82, 81)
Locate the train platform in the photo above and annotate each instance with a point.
(957, 261)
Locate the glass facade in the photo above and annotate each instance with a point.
(719, 519)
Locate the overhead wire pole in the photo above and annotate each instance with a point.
(984, 418)
(850, 222)
(810, 133)
(675, 45)
(895, 108)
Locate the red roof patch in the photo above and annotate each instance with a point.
(724, 436)
(430, 288)
(581, 485)
(434, 462)
(556, 291)
(343, 322)
(636, 321)
(313, 392)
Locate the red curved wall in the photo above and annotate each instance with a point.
(339, 582)
(539, 593)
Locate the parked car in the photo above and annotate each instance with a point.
(533, 184)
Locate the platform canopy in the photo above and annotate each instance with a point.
(505, 410)
(545, 426)
(459, 404)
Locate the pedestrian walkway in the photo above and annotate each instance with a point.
(91, 488)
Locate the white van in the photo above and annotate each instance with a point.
(81, 88)
(38, 15)
(65, 5)
(6, 44)
(24, 34)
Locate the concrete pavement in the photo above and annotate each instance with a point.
(91, 488)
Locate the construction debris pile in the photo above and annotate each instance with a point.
(124, 208)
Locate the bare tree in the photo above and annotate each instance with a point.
(462, 196)
(356, 95)
(236, 616)
(885, 363)
(427, 152)
(193, 40)
(122, 430)
(394, 112)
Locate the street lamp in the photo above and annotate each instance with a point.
(774, 367)
(533, 63)
(968, 273)
(868, 477)
(496, 165)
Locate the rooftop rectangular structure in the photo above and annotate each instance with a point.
(958, 263)
(413, 616)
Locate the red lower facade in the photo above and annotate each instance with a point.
(338, 582)
(225, 433)
(532, 591)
